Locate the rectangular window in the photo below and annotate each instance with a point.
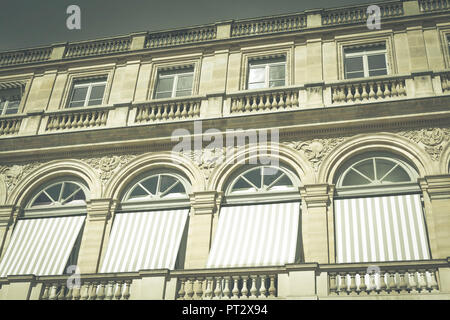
(365, 62)
(87, 93)
(10, 101)
(267, 73)
(177, 83)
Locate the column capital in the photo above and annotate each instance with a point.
(437, 186)
(100, 209)
(205, 202)
(317, 195)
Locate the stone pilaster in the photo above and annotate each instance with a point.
(316, 201)
(8, 214)
(98, 217)
(202, 221)
(436, 190)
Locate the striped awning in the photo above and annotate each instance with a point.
(389, 228)
(256, 235)
(41, 246)
(144, 240)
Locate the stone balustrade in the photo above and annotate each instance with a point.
(368, 90)
(93, 48)
(359, 13)
(269, 25)
(77, 119)
(227, 285)
(10, 126)
(383, 279)
(169, 110)
(265, 100)
(25, 56)
(179, 37)
(433, 5)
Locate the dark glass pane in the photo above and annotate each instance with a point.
(54, 191)
(75, 104)
(366, 168)
(13, 107)
(178, 189)
(278, 83)
(380, 72)
(162, 95)
(241, 184)
(95, 102)
(270, 175)
(165, 85)
(42, 200)
(166, 182)
(185, 82)
(354, 64)
(283, 182)
(353, 75)
(138, 192)
(397, 175)
(383, 167)
(183, 93)
(254, 176)
(277, 72)
(97, 92)
(69, 188)
(377, 61)
(79, 94)
(151, 184)
(353, 178)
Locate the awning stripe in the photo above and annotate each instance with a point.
(144, 240)
(372, 229)
(254, 235)
(41, 246)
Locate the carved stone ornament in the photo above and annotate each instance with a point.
(432, 140)
(106, 166)
(315, 150)
(14, 173)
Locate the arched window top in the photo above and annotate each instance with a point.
(372, 172)
(261, 179)
(59, 194)
(157, 187)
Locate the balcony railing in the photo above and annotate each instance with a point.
(77, 119)
(391, 280)
(10, 125)
(169, 110)
(231, 29)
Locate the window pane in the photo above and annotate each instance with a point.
(162, 95)
(151, 184)
(379, 72)
(278, 83)
(97, 92)
(257, 75)
(183, 93)
(354, 64)
(353, 75)
(54, 191)
(377, 61)
(366, 168)
(254, 176)
(277, 72)
(397, 175)
(383, 167)
(165, 85)
(42, 200)
(79, 94)
(242, 185)
(283, 183)
(2, 105)
(256, 85)
(94, 102)
(185, 82)
(353, 178)
(176, 191)
(270, 175)
(138, 192)
(166, 182)
(13, 107)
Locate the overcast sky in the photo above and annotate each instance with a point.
(30, 23)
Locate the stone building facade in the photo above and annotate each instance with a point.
(98, 200)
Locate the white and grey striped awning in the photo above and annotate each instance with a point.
(256, 235)
(144, 240)
(41, 246)
(389, 228)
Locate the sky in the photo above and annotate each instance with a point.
(31, 23)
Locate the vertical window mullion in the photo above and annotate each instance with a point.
(5, 107)
(175, 86)
(88, 94)
(267, 76)
(365, 65)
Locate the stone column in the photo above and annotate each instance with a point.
(8, 214)
(202, 220)
(436, 191)
(316, 200)
(98, 216)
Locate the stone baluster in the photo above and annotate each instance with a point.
(118, 294)
(357, 95)
(332, 284)
(352, 287)
(234, 105)
(433, 285)
(371, 91)
(226, 289)
(191, 110)
(253, 289)
(254, 106)
(46, 292)
(182, 292)
(274, 101)
(272, 289)
(383, 285)
(126, 290)
(62, 292)
(189, 289)
(85, 291)
(245, 289)
(362, 284)
(208, 290)
(101, 291)
(402, 286)
(235, 290)
(247, 107)
(263, 288)
(218, 288)
(261, 102)
(268, 104)
(199, 292)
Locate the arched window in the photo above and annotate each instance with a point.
(47, 235)
(259, 219)
(378, 211)
(150, 226)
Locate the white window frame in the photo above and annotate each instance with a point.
(89, 85)
(267, 71)
(175, 83)
(365, 53)
(5, 106)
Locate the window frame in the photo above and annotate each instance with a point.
(4, 109)
(92, 83)
(267, 67)
(176, 76)
(365, 53)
